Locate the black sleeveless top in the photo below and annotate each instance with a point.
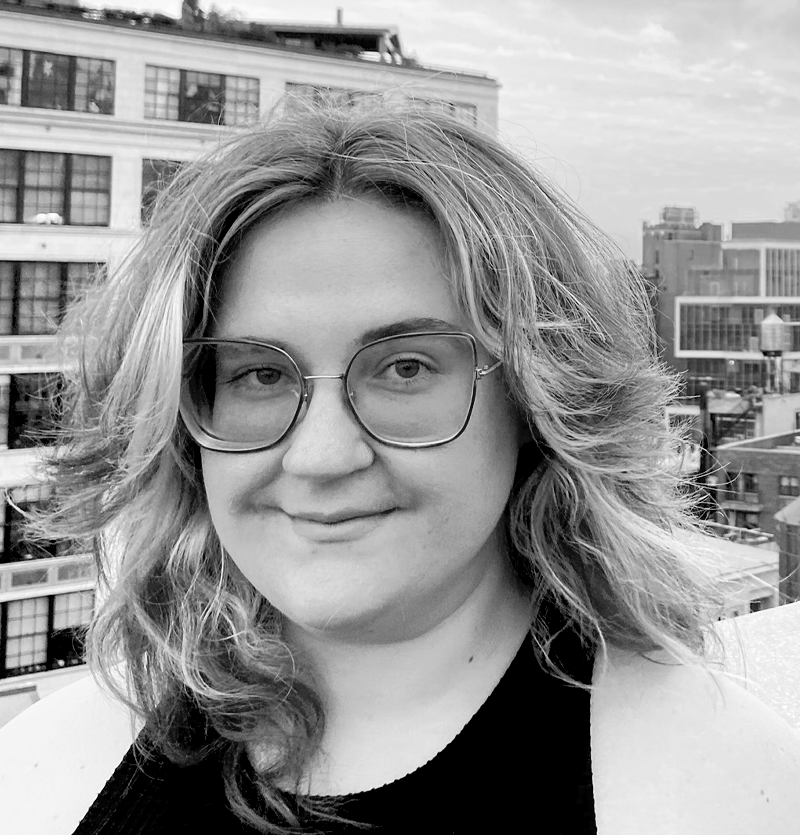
(522, 763)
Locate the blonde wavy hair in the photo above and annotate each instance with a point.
(591, 521)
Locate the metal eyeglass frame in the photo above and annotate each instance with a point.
(207, 441)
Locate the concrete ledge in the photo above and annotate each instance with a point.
(764, 650)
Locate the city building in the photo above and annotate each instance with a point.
(711, 296)
(754, 483)
(98, 108)
(788, 524)
(749, 574)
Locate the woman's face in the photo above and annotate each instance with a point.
(341, 533)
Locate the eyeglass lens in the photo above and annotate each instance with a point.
(410, 389)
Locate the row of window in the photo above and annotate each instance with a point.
(56, 82)
(34, 294)
(745, 487)
(730, 327)
(68, 82)
(43, 187)
(15, 544)
(729, 375)
(74, 189)
(43, 633)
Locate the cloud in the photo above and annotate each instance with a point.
(655, 33)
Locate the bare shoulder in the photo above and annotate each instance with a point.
(56, 756)
(683, 749)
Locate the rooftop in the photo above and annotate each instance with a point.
(767, 230)
(783, 442)
(361, 43)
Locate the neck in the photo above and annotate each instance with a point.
(483, 632)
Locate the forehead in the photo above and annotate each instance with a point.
(325, 273)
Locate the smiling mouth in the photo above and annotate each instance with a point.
(333, 519)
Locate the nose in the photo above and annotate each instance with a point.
(327, 441)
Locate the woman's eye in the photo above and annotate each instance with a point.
(404, 370)
(407, 368)
(267, 376)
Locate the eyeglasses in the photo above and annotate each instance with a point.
(411, 390)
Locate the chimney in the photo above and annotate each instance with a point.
(339, 16)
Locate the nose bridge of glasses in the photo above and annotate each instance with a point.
(308, 384)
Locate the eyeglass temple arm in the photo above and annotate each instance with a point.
(487, 369)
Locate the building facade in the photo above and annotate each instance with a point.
(97, 110)
(712, 295)
(756, 481)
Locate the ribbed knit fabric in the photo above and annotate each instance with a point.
(522, 764)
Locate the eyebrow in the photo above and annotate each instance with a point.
(417, 324)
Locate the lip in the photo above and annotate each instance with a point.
(341, 526)
(337, 517)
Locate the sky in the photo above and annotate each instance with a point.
(628, 105)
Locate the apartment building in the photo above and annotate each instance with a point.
(711, 296)
(97, 110)
(757, 482)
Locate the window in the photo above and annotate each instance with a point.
(44, 633)
(193, 96)
(748, 487)
(156, 176)
(10, 76)
(5, 382)
(55, 81)
(466, 113)
(33, 294)
(323, 95)
(40, 187)
(789, 486)
(16, 545)
(33, 407)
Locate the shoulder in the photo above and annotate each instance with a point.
(684, 749)
(56, 756)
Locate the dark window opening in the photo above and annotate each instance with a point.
(201, 97)
(56, 82)
(156, 176)
(44, 633)
(33, 409)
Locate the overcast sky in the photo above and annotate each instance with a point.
(628, 104)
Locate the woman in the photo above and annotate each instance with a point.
(369, 437)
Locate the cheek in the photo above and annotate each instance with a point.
(231, 482)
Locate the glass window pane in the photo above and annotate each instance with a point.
(161, 92)
(90, 200)
(48, 80)
(156, 176)
(80, 277)
(26, 644)
(241, 100)
(74, 609)
(20, 547)
(40, 297)
(94, 85)
(33, 408)
(203, 96)
(7, 269)
(43, 187)
(10, 76)
(9, 185)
